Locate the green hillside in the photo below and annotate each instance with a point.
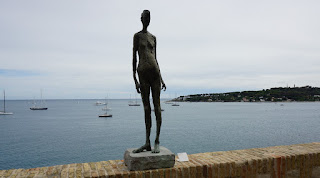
(306, 93)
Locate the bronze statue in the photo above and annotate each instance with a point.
(149, 77)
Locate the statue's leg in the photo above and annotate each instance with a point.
(156, 88)
(145, 94)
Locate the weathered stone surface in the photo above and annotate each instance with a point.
(301, 160)
(147, 160)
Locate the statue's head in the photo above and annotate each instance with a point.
(145, 18)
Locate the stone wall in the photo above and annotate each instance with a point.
(302, 160)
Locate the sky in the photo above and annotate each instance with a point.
(76, 49)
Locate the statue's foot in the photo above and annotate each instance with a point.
(146, 147)
(156, 148)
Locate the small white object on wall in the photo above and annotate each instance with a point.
(183, 157)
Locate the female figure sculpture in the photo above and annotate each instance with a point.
(149, 77)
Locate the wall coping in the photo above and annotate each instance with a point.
(302, 160)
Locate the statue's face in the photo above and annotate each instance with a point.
(145, 19)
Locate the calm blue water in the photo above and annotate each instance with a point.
(70, 131)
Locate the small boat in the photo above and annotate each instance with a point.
(38, 108)
(99, 103)
(41, 107)
(106, 109)
(133, 104)
(4, 106)
(105, 115)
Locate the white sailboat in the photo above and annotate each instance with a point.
(133, 103)
(99, 103)
(4, 106)
(106, 109)
(41, 106)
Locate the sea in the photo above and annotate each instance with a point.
(70, 131)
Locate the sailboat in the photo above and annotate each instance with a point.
(99, 103)
(4, 105)
(105, 115)
(106, 109)
(135, 103)
(41, 107)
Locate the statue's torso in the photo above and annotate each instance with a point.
(147, 52)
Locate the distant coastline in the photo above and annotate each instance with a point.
(280, 94)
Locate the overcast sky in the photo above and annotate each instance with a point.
(83, 49)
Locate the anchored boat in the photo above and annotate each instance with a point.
(4, 106)
(41, 106)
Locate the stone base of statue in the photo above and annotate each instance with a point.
(147, 160)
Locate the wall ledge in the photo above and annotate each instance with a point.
(301, 160)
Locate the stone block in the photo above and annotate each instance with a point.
(147, 160)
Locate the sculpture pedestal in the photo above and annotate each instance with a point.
(147, 160)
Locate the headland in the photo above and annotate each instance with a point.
(286, 94)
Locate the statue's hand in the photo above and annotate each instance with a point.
(164, 87)
(138, 87)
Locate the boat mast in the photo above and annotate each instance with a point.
(4, 101)
(41, 100)
(135, 96)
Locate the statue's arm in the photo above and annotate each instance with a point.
(134, 61)
(155, 53)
